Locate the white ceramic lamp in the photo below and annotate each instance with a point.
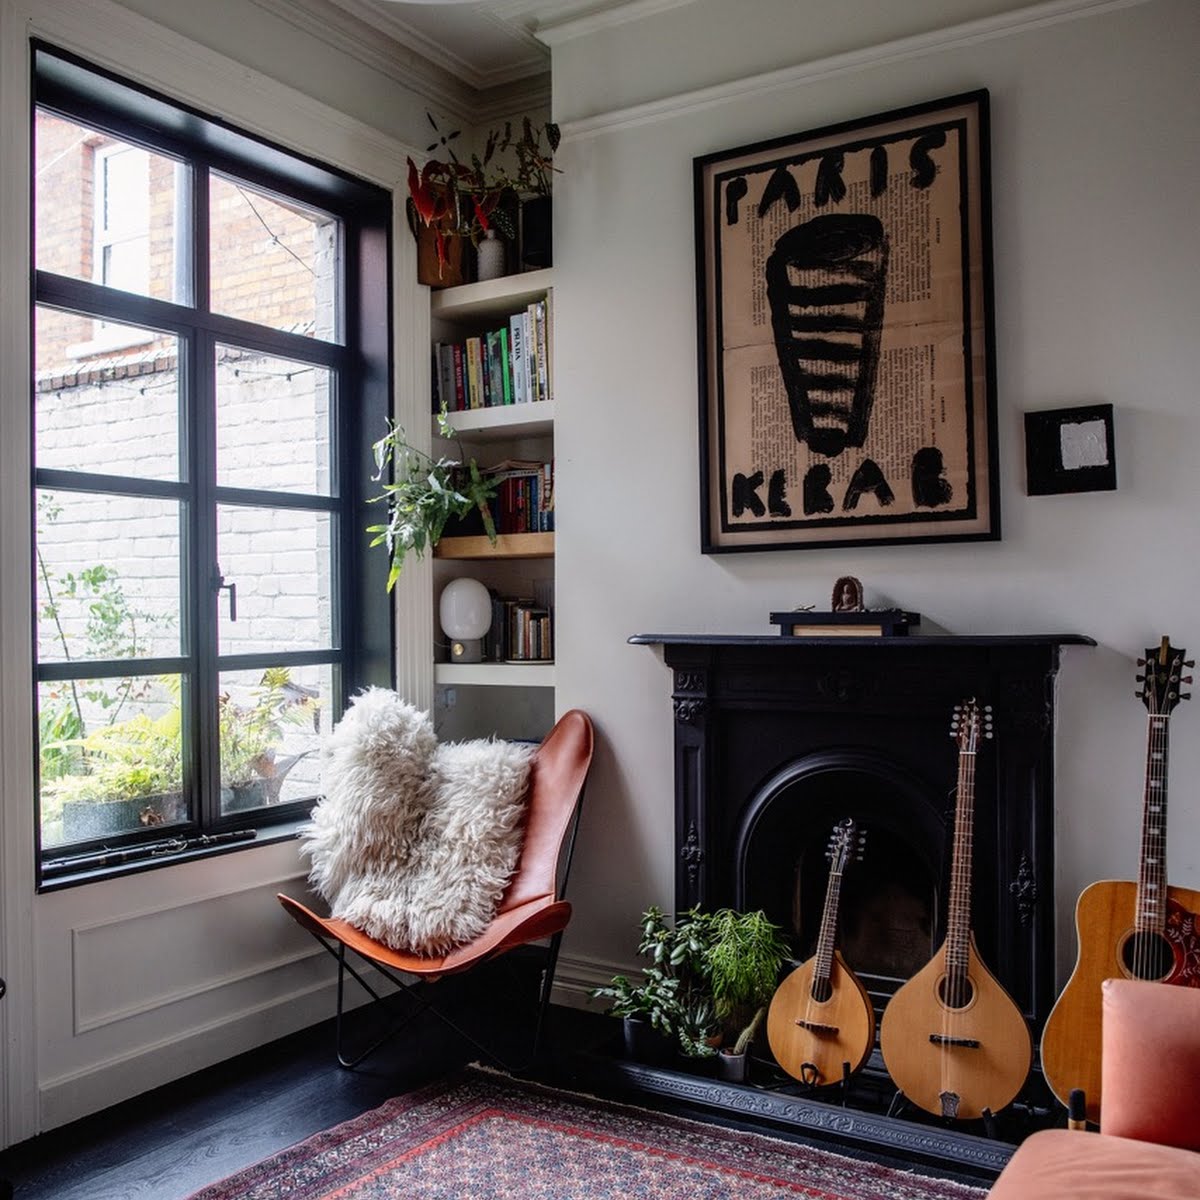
(465, 610)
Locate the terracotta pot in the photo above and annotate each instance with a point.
(441, 274)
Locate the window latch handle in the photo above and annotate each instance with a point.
(219, 585)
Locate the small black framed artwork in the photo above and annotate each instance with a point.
(1070, 450)
(845, 334)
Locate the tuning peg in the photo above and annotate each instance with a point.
(1185, 696)
(1189, 662)
(1140, 678)
(1141, 662)
(1187, 679)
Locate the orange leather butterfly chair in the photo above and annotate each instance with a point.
(531, 909)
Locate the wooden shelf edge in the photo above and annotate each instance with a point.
(508, 545)
(503, 420)
(490, 295)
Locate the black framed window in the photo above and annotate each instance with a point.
(211, 365)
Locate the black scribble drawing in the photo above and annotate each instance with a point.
(867, 478)
(745, 494)
(777, 503)
(825, 286)
(816, 489)
(733, 196)
(781, 186)
(930, 488)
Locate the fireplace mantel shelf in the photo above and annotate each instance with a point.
(913, 641)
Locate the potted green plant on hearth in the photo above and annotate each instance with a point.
(673, 998)
(423, 494)
(741, 960)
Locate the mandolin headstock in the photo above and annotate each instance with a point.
(970, 722)
(1162, 678)
(846, 842)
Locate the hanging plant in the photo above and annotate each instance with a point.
(423, 494)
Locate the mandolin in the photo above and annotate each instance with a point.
(821, 1025)
(1142, 930)
(953, 1040)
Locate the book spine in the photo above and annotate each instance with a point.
(460, 377)
(505, 363)
(474, 372)
(516, 342)
(543, 373)
(435, 378)
(530, 355)
(488, 350)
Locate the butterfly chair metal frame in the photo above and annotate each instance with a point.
(531, 909)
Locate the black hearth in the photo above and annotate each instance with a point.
(777, 738)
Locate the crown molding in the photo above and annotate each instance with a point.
(1024, 20)
(365, 32)
(554, 32)
(340, 24)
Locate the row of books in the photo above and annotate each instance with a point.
(522, 631)
(508, 365)
(524, 500)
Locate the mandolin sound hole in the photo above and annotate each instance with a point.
(821, 990)
(1147, 956)
(956, 991)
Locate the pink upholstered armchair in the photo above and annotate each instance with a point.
(1150, 1119)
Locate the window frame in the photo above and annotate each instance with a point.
(361, 362)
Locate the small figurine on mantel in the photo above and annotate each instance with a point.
(848, 616)
(847, 595)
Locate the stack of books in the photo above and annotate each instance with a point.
(507, 365)
(522, 631)
(524, 501)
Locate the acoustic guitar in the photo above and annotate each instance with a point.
(953, 1040)
(1142, 930)
(821, 1025)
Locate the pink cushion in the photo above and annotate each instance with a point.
(1150, 1063)
(1060, 1164)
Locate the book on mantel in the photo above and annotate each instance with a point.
(880, 622)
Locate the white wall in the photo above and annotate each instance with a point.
(1096, 169)
(119, 986)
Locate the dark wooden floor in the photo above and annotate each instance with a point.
(168, 1143)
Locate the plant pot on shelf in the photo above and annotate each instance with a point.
(536, 233)
(454, 266)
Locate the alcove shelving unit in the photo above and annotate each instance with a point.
(510, 699)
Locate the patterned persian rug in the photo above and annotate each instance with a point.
(487, 1137)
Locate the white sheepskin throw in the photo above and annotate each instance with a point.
(414, 842)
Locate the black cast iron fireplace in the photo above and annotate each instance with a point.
(777, 738)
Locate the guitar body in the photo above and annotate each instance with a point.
(837, 1030)
(984, 1053)
(1109, 949)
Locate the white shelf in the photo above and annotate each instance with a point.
(490, 297)
(503, 421)
(495, 674)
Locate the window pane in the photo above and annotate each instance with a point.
(108, 577)
(273, 423)
(115, 414)
(111, 757)
(271, 724)
(273, 261)
(107, 211)
(281, 563)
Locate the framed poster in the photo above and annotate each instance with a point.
(847, 377)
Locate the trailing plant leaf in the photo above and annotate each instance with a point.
(422, 496)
